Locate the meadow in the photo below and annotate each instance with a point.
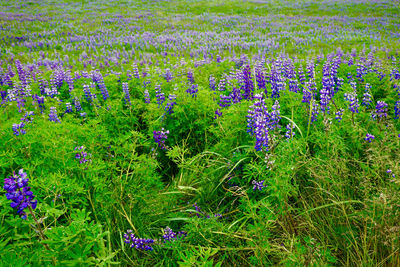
(200, 133)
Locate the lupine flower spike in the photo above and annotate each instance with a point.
(20, 193)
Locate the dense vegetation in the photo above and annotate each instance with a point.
(200, 133)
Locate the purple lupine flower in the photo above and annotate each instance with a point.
(352, 98)
(82, 155)
(212, 82)
(88, 94)
(369, 137)
(135, 71)
(19, 192)
(224, 101)
(349, 77)
(389, 171)
(83, 114)
(235, 95)
(20, 103)
(260, 78)
(310, 69)
(314, 111)
(68, 108)
(18, 128)
(146, 96)
(53, 115)
(258, 185)
(69, 80)
(103, 88)
(218, 113)
(28, 117)
(309, 91)
(170, 235)
(260, 122)
(190, 76)
(290, 133)
(275, 115)
(397, 109)
(3, 95)
(159, 95)
(381, 109)
(77, 105)
(40, 102)
(361, 71)
(21, 73)
(325, 98)
(367, 96)
(248, 83)
(138, 243)
(339, 115)
(146, 83)
(168, 75)
(222, 84)
(170, 104)
(127, 96)
(277, 82)
(293, 85)
(192, 90)
(302, 77)
(160, 137)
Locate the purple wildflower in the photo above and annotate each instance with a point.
(381, 109)
(82, 155)
(160, 137)
(369, 137)
(138, 243)
(258, 185)
(339, 115)
(170, 104)
(19, 192)
(127, 96)
(53, 115)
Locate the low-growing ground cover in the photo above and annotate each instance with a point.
(200, 133)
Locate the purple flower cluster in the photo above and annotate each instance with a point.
(369, 137)
(159, 95)
(339, 115)
(192, 90)
(136, 242)
(190, 76)
(18, 128)
(397, 109)
(68, 108)
(82, 155)
(352, 98)
(212, 82)
(170, 104)
(53, 115)
(88, 93)
(389, 171)
(367, 97)
(160, 137)
(127, 96)
(381, 109)
(260, 122)
(170, 235)
(258, 185)
(146, 96)
(19, 192)
(289, 131)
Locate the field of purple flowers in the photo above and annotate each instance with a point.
(200, 133)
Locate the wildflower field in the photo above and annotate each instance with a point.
(200, 133)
